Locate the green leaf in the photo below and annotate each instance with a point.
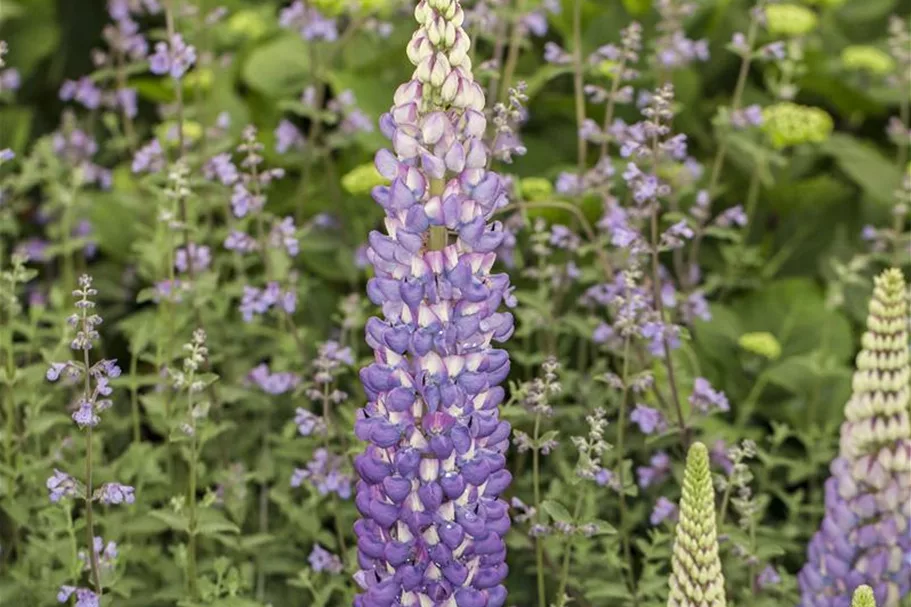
(876, 174)
(557, 511)
(212, 522)
(280, 67)
(175, 521)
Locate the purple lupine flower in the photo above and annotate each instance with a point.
(865, 536)
(664, 510)
(174, 57)
(705, 398)
(434, 467)
(649, 420)
(321, 559)
(115, 493)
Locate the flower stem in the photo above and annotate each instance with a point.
(721, 153)
(567, 558)
(512, 54)
(621, 445)
(539, 544)
(89, 490)
(191, 524)
(578, 84)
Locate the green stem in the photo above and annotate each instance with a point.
(567, 558)
(11, 393)
(191, 525)
(578, 84)
(539, 544)
(512, 55)
(89, 491)
(721, 153)
(621, 474)
(134, 398)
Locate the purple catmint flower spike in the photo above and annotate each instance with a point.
(865, 535)
(434, 466)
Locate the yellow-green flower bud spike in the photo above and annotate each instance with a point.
(762, 343)
(863, 597)
(362, 179)
(696, 577)
(536, 188)
(250, 24)
(788, 124)
(864, 58)
(789, 20)
(877, 410)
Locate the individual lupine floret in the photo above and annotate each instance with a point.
(431, 476)
(863, 597)
(696, 576)
(865, 536)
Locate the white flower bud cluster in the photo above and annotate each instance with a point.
(439, 52)
(877, 414)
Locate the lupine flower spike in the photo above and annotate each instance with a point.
(696, 577)
(863, 597)
(865, 536)
(434, 467)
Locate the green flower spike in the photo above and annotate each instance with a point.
(788, 124)
(863, 597)
(696, 577)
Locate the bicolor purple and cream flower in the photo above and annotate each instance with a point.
(432, 524)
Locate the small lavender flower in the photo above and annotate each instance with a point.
(649, 420)
(273, 383)
(705, 398)
(664, 510)
(83, 91)
(768, 577)
(10, 80)
(174, 57)
(84, 596)
(309, 22)
(197, 260)
(115, 493)
(657, 471)
(60, 485)
(287, 136)
(864, 537)
(149, 158)
(321, 559)
(324, 473)
(696, 578)
(308, 423)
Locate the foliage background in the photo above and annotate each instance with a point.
(799, 280)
